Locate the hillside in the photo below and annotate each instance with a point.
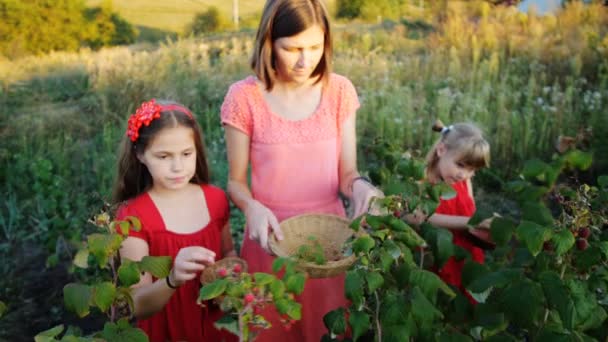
(170, 17)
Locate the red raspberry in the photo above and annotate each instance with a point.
(237, 268)
(582, 244)
(222, 272)
(584, 232)
(249, 298)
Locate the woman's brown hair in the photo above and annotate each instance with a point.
(133, 178)
(463, 138)
(285, 18)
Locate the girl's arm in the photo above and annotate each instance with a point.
(259, 218)
(360, 191)
(227, 244)
(150, 296)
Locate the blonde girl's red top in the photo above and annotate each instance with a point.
(461, 205)
(182, 319)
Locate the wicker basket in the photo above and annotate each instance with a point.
(210, 273)
(331, 232)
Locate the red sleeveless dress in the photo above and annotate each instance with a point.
(181, 319)
(461, 205)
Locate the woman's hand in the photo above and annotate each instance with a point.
(259, 218)
(188, 262)
(363, 193)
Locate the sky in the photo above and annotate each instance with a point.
(542, 6)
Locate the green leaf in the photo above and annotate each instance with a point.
(425, 312)
(363, 244)
(128, 273)
(471, 271)
(354, 225)
(410, 238)
(277, 288)
(213, 290)
(374, 281)
(535, 169)
(579, 159)
(386, 260)
(522, 302)
(263, 278)
(497, 279)
(603, 247)
(3, 308)
(104, 295)
(446, 192)
(229, 323)
(123, 332)
(537, 213)
(294, 310)
(429, 283)
(101, 246)
(502, 230)
(49, 335)
(335, 321)
(158, 266)
(563, 240)
(391, 248)
(533, 236)
(81, 259)
(585, 260)
(558, 297)
(395, 309)
(135, 223)
(353, 285)
(453, 337)
(440, 241)
(602, 181)
(295, 283)
(359, 322)
(77, 298)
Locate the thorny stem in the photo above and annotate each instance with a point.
(378, 326)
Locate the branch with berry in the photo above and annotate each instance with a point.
(245, 297)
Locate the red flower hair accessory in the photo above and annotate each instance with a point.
(147, 112)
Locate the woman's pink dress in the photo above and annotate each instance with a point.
(182, 319)
(461, 205)
(294, 170)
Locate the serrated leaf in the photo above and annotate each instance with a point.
(81, 259)
(440, 241)
(213, 290)
(497, 279)
(294, 310)
(359, 322)
(263, 278)
(502, 230)
(77, 298)
(335, 321)
(535, 169)
(229, 323)
(538, 213)
(104, 294)
(453, 337)
(522, 302)
(579, 159)
(101, 246)
(135, 222)
(353, 285)
(277, 288)
(425, 312)
(128, 273)
(158, 266)
(374, 281)
(533, 236)
(391, 248)
(429, 283)
(363, 244)
(446, 192)
(563, 240)
(49, 335)
(558, 297)
(295, 283)
(119, 333)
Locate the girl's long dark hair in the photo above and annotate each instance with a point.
(133, 177)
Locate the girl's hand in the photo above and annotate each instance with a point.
(188, 262)
(259, 218)
(416, 218)
(363, 193)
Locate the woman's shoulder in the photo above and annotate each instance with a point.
(245, 84)
(339, 80)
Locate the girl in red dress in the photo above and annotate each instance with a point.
(454, 158)
(163, 180)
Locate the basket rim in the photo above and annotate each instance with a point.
(329, 265)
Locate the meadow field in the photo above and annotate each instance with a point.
(524, 78)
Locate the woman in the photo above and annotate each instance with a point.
(294, 123)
